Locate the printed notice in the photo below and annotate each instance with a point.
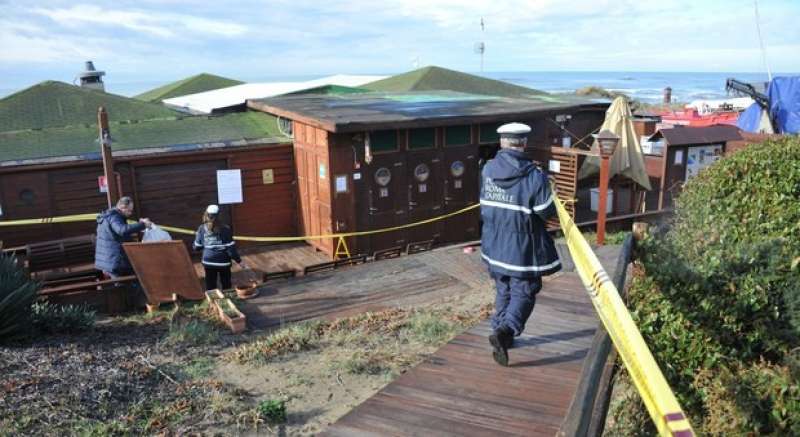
(229, 186)
(554, 166)
(341, 184)
(678, 157)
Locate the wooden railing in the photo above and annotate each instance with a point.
(587, 413)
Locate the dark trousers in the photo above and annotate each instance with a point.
(224, 274)
(514, 301)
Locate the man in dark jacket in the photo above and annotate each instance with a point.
(515, 203)
(113, 230)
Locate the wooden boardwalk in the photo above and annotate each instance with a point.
(375, 286)
(460, 391)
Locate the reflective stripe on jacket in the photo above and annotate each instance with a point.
(218, 247)
(516, 200)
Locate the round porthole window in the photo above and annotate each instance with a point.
(383, 176)
(27, 196)
(422, 172)
(457, 169)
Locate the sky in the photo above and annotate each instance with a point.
(145, 43)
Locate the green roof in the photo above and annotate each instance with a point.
(57, 104)
(330, 90)
(81, 140)
(437, 78)
(190, 85)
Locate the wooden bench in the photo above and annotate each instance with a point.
(108, 296)
(62, 261)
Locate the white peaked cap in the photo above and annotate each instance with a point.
(514, 129)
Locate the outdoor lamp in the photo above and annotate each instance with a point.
(607, 141)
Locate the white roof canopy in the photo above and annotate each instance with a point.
(208, 101)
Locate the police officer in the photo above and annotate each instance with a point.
(516, 200)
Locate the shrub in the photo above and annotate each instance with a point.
(272, 411)
(17, 293)
(56, 319)
(718, 297)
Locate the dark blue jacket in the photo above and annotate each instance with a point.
(515, 203)
(113, 230)
(218, 247)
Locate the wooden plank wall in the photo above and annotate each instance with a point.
(269, 209)
(170, 190)
(311, 150)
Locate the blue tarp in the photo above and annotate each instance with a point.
(749, 120)
(784, 103)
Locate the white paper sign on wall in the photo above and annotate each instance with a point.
(229, 186)
(554, 166)
(341, 184)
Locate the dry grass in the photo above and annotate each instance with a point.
(372, 341)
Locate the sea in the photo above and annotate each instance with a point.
(643, 86)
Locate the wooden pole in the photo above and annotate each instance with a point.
(112, 194)
(602, 201)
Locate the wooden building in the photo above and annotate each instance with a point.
(378, 160)
(679, 153)
(50, 163)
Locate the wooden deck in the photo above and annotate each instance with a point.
(273, 258)
(461, 391)
(374, 286)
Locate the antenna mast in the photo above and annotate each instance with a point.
(480, 47)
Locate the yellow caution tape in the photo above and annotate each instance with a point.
(339, 235)
(92, 217)
(661, 403)
(50, 220)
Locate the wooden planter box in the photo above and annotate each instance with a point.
(231, 316)
(226, 311)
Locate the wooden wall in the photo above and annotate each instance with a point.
(312, 163)
(171, 190)
(269, 208)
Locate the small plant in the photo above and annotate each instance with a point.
(431, 328)
(272, 411)
(193, 333)
(366, 363)
(56, 319)
(199, 368)
(17, 293)
(294, 338)
(229, 308)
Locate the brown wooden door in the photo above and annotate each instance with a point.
(178, 194)
(425, 196)
(387, 200)
(675, 174)
(460, 168)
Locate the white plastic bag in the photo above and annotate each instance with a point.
(155, 234)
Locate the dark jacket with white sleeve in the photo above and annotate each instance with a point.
(516, 200)
(218, 247)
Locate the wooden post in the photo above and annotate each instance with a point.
(112, 194)
(602, 201)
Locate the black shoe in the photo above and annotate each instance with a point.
(500, 340)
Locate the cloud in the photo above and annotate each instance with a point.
(164, 25)
(256, 39)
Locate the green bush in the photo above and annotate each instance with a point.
(17, 293)
(272, 411)
(57, 319)
(719, 299)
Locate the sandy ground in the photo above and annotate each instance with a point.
(318, 390)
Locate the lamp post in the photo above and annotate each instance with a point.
(607, 142)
